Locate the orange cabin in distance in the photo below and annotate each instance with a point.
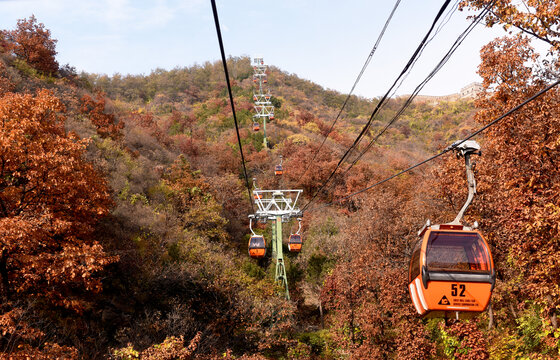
(257, 246)
(451, 272)
(278, 170)
(295, 243)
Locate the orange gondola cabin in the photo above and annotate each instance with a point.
(256, 126)
(257, 246)
(295, 243)
(278, 170)
(451, 272)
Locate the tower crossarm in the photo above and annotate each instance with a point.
(277, 203)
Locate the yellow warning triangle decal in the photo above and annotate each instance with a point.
(444, 301)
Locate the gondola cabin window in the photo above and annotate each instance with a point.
(257, 242)
(454, 251)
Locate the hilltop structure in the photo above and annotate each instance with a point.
(467, 92)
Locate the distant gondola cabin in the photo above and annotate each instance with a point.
(295, 243)
(256, 126)
(257, 246)
(278, 170)
(451, 272)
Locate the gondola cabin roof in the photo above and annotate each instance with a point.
(442, 227)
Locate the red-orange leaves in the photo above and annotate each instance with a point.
(538, 18)
(105, 123)
(472, 344)
(32, 42)
(50, 198)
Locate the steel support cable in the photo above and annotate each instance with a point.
(420, 86)
(447, 149)
(384, 98)
(368, 60)
(219, 33)
(440, 27)
(444, 22)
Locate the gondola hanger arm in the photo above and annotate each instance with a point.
(299, 229)
(251, 224)
(466, 149)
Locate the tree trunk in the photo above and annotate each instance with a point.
(512, 309)
(352, 325)
(5, 290)
(321, 315)
(552, 315)
(490, 316)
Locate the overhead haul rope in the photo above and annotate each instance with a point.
(444, 22)
(420, 86)
(370, 56)
(366, 127)
(447, 149)
(217, 22)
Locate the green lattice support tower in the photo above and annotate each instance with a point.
(277, 206)
(263, 106)
(281, 278)
(265, 142)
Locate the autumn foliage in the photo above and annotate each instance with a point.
(132, 244)
(32, 42)
(105, 122)
(6, 84)
(50, 199)
(522, 178)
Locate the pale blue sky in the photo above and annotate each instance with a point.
(323, 41)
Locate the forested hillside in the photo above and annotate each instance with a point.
(124, 212)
